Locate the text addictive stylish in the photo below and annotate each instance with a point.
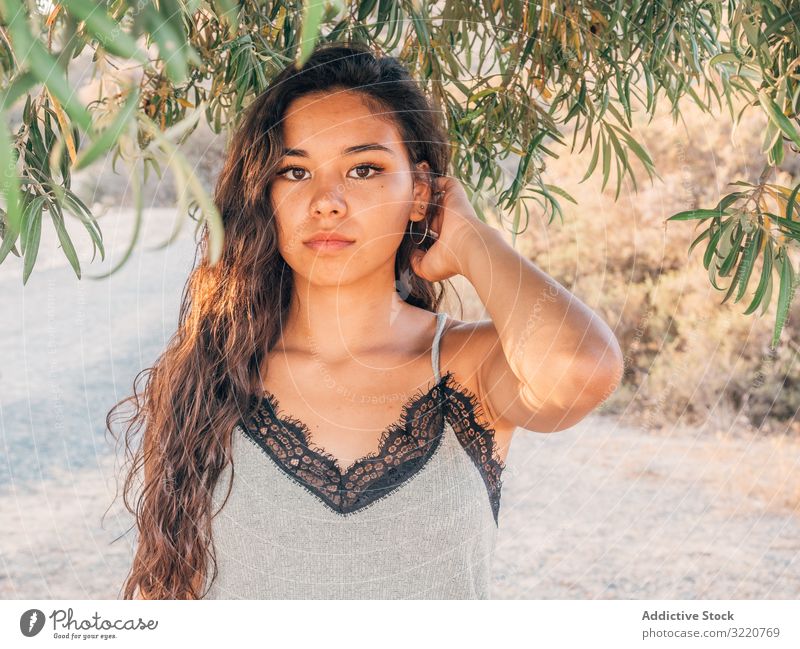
(681, 615)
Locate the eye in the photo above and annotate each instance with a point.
(374, 167)
(291, 170)
(285, 170)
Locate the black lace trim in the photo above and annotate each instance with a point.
(466, 415)
(405, 447)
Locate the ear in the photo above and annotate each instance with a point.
(422, 190)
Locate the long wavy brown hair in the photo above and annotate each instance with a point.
(203, 384)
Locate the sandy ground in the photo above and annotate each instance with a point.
(602, 510)
(597, 511)
(607, 511)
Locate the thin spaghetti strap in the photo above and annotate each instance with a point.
(440, 320)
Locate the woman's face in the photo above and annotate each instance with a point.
(327, 183)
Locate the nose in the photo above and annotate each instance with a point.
(328, 203)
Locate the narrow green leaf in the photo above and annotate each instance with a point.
(421, 29)
(726, 240)
(33, 206)
(63, 237)
(561, 192)
(729, 200)
(775, 113)
(515, 225)
(9, 239)
(748, 262)
(79, 210)
(772, 134)
(640, 152)
(309, 30)
(32, 238)
(482, 93)
(593, 162)
(726, 57)
(651, 94)
(712, 275)
(712, 245)
(732, 254)
(791, 226)
(108, 31)
(737, 275)
(706, 233)
(695, 214)
(785, 294)
(790, 204)
(766, 272)
(606, 160)
(365, 9)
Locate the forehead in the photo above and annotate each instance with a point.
(323, 121)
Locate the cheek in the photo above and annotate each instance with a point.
(282, 202)
(290, 238)
(290, 230)
(289, 221)
(386, 205)
(382, 233)
(393, 193)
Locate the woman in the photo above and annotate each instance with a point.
(316, 429)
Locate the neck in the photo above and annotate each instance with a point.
(336, 322)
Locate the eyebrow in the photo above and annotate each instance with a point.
(372, 146)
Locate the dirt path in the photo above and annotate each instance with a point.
(602, 511)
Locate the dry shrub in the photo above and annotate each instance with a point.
(689, 359)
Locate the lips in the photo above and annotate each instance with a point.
(329, 240)
(326, 237)
(328, 244)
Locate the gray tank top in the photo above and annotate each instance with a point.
(418, 519)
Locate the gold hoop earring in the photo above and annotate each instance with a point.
(411, 234)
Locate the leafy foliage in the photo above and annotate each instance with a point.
(512, 79)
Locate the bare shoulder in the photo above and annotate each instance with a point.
(466, 344)
(464, 347)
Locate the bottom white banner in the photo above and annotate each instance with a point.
(387, 624)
